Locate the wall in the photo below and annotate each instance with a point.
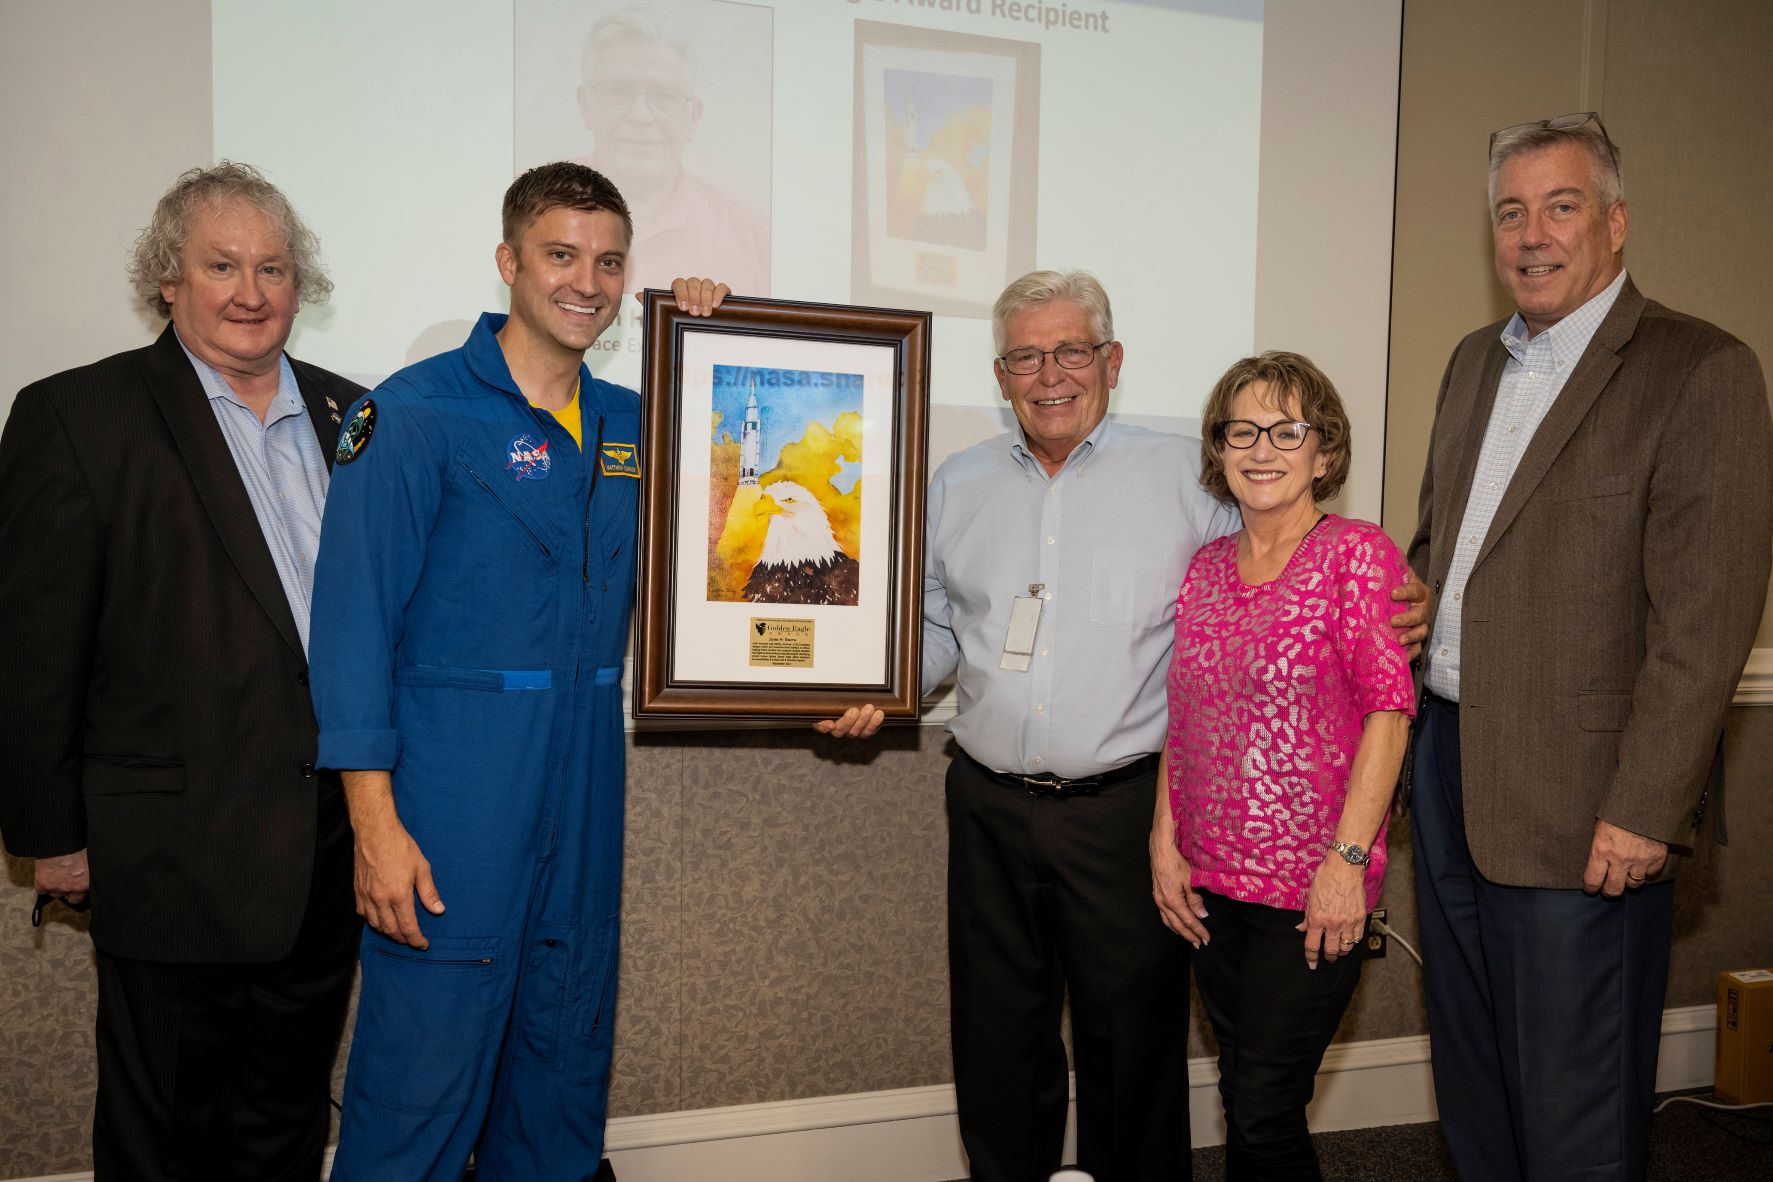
(783, 930)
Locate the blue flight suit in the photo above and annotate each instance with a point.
(471, 607)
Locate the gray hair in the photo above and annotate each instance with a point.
(1530, 137)
(1044, 287)
(653, 24)
(159, 247)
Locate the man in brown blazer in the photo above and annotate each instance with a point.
(1596, 522)
(159, 512)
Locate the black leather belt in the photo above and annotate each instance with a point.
(1055, 788)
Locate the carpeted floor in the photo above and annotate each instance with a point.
(1687, 1144)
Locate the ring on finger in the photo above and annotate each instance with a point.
(1630, 877)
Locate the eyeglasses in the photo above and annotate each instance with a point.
(1242, 434)
(1568, 122)
(1069, 356)
(620, 96)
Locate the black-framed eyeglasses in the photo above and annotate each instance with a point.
(1242, 434)
(620, 96)
(1570, 122)
(1070, 355)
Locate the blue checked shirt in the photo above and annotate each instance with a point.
(285, 474)
(1532, 378)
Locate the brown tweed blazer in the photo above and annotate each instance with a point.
(1616, 596)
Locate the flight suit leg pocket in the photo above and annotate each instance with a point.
(595, 1018)
(426, 1021)
(543, 999)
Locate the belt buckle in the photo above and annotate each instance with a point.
(1048, 786)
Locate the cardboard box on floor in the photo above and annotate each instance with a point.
(1745, 1037)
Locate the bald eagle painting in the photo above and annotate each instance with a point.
(801, 560)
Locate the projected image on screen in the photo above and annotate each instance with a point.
(671, 101)
(946, 148)
(785, 497)
(938, 144)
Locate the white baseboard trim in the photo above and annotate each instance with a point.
(911, 1134)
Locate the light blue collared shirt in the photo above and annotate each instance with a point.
(1108, 540)
(1532, 378)
(284, 471)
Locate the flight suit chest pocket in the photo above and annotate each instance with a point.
(617, 503)
(511, 508)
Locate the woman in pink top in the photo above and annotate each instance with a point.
(1290, 701)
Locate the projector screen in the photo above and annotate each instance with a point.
(900, 153)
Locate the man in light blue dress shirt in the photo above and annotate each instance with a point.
(1053, 555)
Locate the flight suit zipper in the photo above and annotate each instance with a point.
(596, 458)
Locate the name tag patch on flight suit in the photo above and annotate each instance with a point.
(527, 459)
(620, 459)
(355, 437)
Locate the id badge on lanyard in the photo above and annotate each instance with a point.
(1018, 642)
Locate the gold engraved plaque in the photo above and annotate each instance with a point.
(781, 644)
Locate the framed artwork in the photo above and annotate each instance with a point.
(946, 143)
(781, 516)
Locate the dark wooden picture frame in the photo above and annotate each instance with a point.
(658, 692)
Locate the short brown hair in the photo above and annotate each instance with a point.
(1287, 375)
(561, 185)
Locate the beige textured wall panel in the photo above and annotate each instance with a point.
(86, 158)
(1724, 896)
(1689, 97)
(646, 1071)
(1468, 69)
(814, 885)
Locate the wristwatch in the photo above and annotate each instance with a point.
(1353, 854)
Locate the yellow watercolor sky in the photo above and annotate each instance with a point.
(736, 531)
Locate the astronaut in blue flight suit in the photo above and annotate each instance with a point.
(471, 599)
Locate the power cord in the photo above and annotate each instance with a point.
(1385, 929)
(1703, 1103)
(1748, 1124)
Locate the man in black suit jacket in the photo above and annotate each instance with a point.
(159, 512)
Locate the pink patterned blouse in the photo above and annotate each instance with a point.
(1269, 687)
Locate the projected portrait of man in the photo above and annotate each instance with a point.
(637, 96)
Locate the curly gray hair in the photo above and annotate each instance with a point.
(159, 246)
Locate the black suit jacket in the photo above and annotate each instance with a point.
(153, 691)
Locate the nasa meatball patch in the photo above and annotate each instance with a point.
(355, 437)
(526, 458)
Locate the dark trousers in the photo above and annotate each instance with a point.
(213, 1072)
(1274, 1018)
(1043, 895)
(1544, 1006)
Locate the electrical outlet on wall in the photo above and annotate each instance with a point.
(1376, 940)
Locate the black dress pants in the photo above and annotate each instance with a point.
(1274, 1017)
(216, 1072)
(1043, 895)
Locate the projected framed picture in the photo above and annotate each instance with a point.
(674, 103)
(946, 146)
(781, 522)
